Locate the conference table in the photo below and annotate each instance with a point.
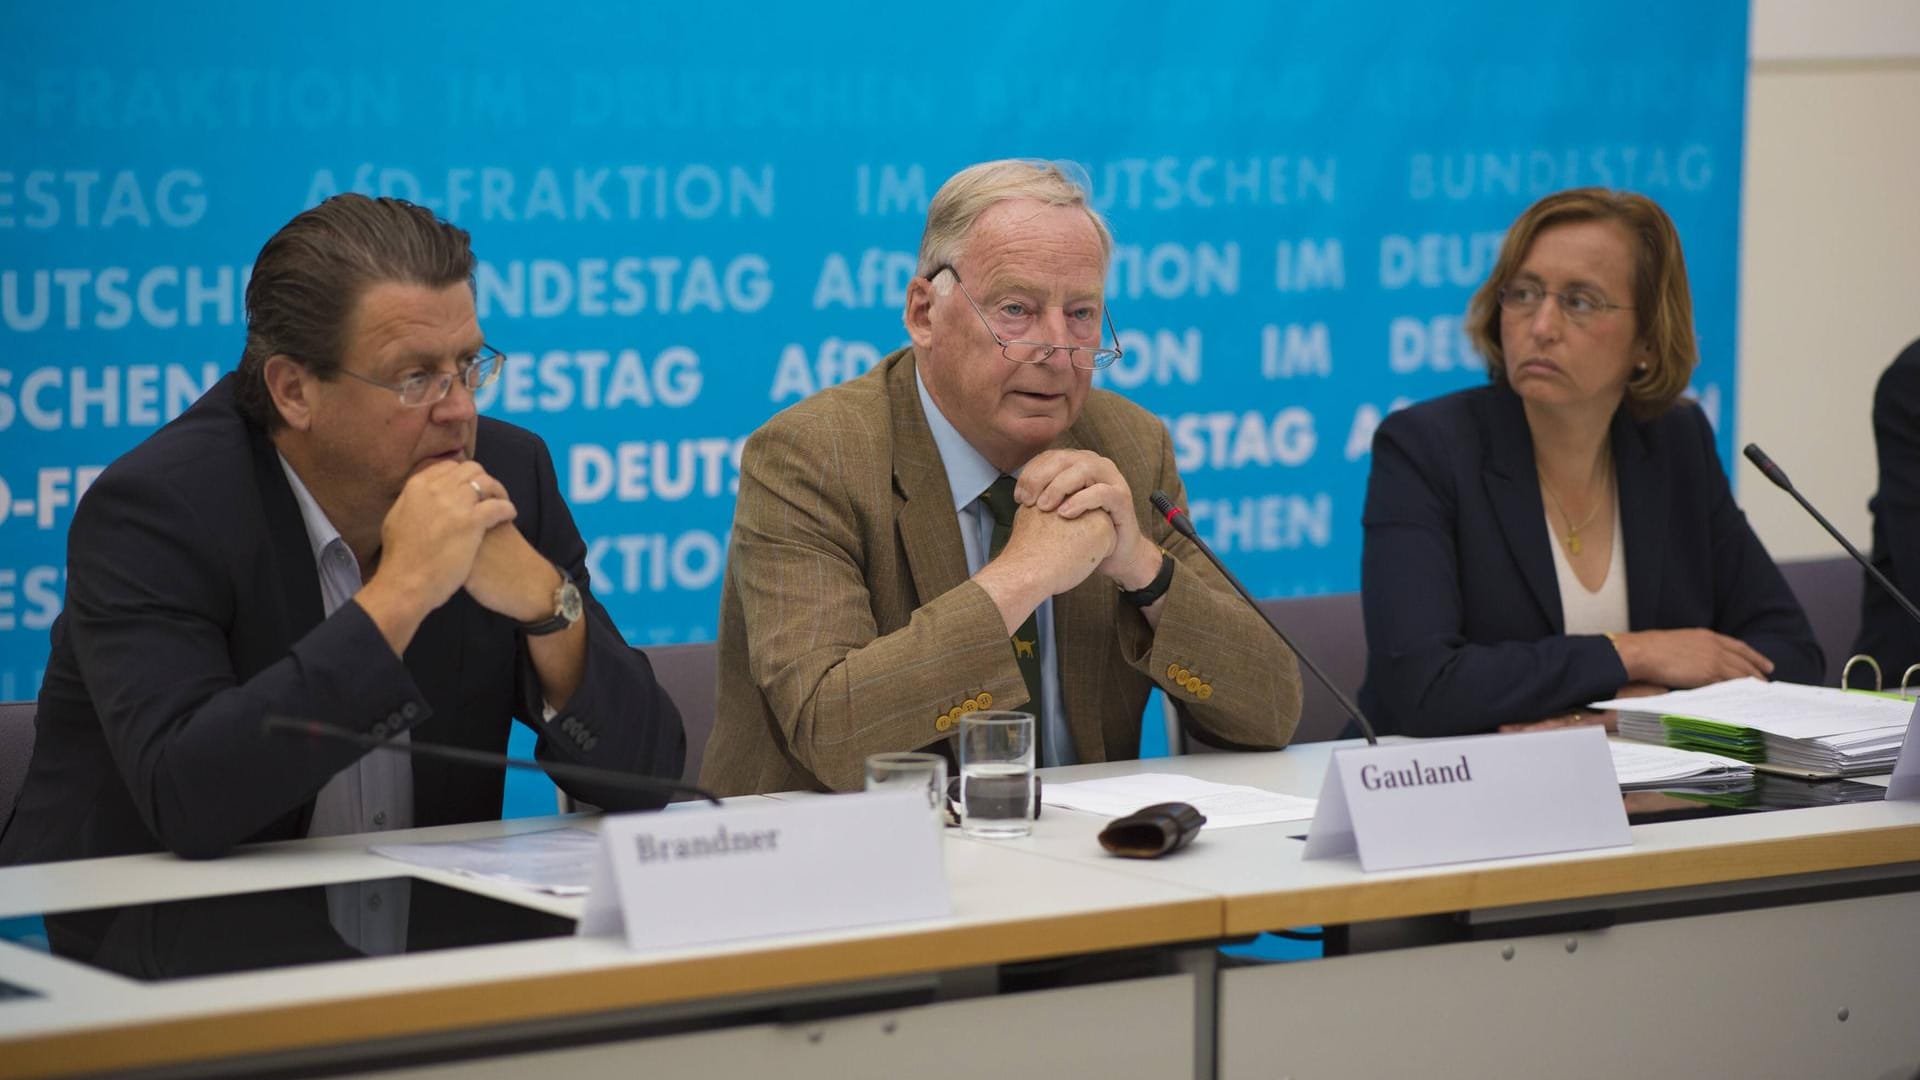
(1763, 944)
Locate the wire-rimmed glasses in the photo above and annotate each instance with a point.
(429, 387)
(1578, 304)
(1085, 357)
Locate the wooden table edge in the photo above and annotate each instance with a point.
(477, 1004)
(1628, 872)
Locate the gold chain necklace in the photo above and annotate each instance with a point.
(1573, 531)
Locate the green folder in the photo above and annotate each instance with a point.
(1729, 740)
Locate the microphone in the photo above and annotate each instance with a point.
(1177, 518)
(652, 785)
(1779, 477)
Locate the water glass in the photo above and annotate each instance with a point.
(905, 770)
(996, 774)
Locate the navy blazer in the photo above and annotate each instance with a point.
(1464, 625)
(193, 611)
(1887, 633)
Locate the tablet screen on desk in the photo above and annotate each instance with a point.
(256, 931)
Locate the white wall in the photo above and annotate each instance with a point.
(1830, 252)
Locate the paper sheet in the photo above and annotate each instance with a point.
(1640, 765)
(557, 861)
(1786, 709)
(1225, 805)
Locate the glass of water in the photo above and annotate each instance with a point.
(996, 773)
(910, 771)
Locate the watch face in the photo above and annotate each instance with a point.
(569, 602)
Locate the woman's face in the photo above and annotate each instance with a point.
(1571, 339)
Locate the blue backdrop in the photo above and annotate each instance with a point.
(689, 219)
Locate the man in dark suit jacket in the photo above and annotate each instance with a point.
(331, 533)
(1886, 632)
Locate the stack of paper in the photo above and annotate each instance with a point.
(1641, 767)
(1810, 728)
(1225, 805)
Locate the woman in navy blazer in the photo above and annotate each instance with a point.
(1566, 534)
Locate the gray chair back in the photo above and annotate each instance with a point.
(690, 675)
(1329, 628)
(1829, 592)
(16, 748)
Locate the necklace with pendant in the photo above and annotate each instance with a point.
(1572, 539)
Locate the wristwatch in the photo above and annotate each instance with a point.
(566, 609)
(1155, 589)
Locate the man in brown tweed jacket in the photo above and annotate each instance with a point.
(884, 553)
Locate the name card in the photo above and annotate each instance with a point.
(1904, 785)
(1481, 797)
(697, 876)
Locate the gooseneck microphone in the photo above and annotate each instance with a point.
(1177, 518)
(651, 785)
(1779, 477)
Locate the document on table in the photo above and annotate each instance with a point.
(1815, 729)
(1789, 710)
(1225, 805)
(557, 861)
(1642, 766)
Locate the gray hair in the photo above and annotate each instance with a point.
(970, 192)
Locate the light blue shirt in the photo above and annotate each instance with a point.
(371, 795)
(969, 475)
(376, 792)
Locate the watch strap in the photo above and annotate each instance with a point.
(1155, 589)
(558, 621)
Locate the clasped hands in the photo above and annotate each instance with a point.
(451, 528)
(1076, 518)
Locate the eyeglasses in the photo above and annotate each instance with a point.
(1013, 323)
(428, 388)
(1579, 305)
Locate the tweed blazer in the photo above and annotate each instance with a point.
(849, 624)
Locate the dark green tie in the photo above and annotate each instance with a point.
(1027, 646)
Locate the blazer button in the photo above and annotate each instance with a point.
(1176, 672)
(986, 700)
(1203, 691)
(945, 723)
(972, 704)
(409, 710)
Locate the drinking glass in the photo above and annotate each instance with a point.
(906, 769)
(996, 773)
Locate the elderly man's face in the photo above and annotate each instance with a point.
(1021, 260)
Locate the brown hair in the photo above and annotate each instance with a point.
(1662, 303)
(309, 278)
